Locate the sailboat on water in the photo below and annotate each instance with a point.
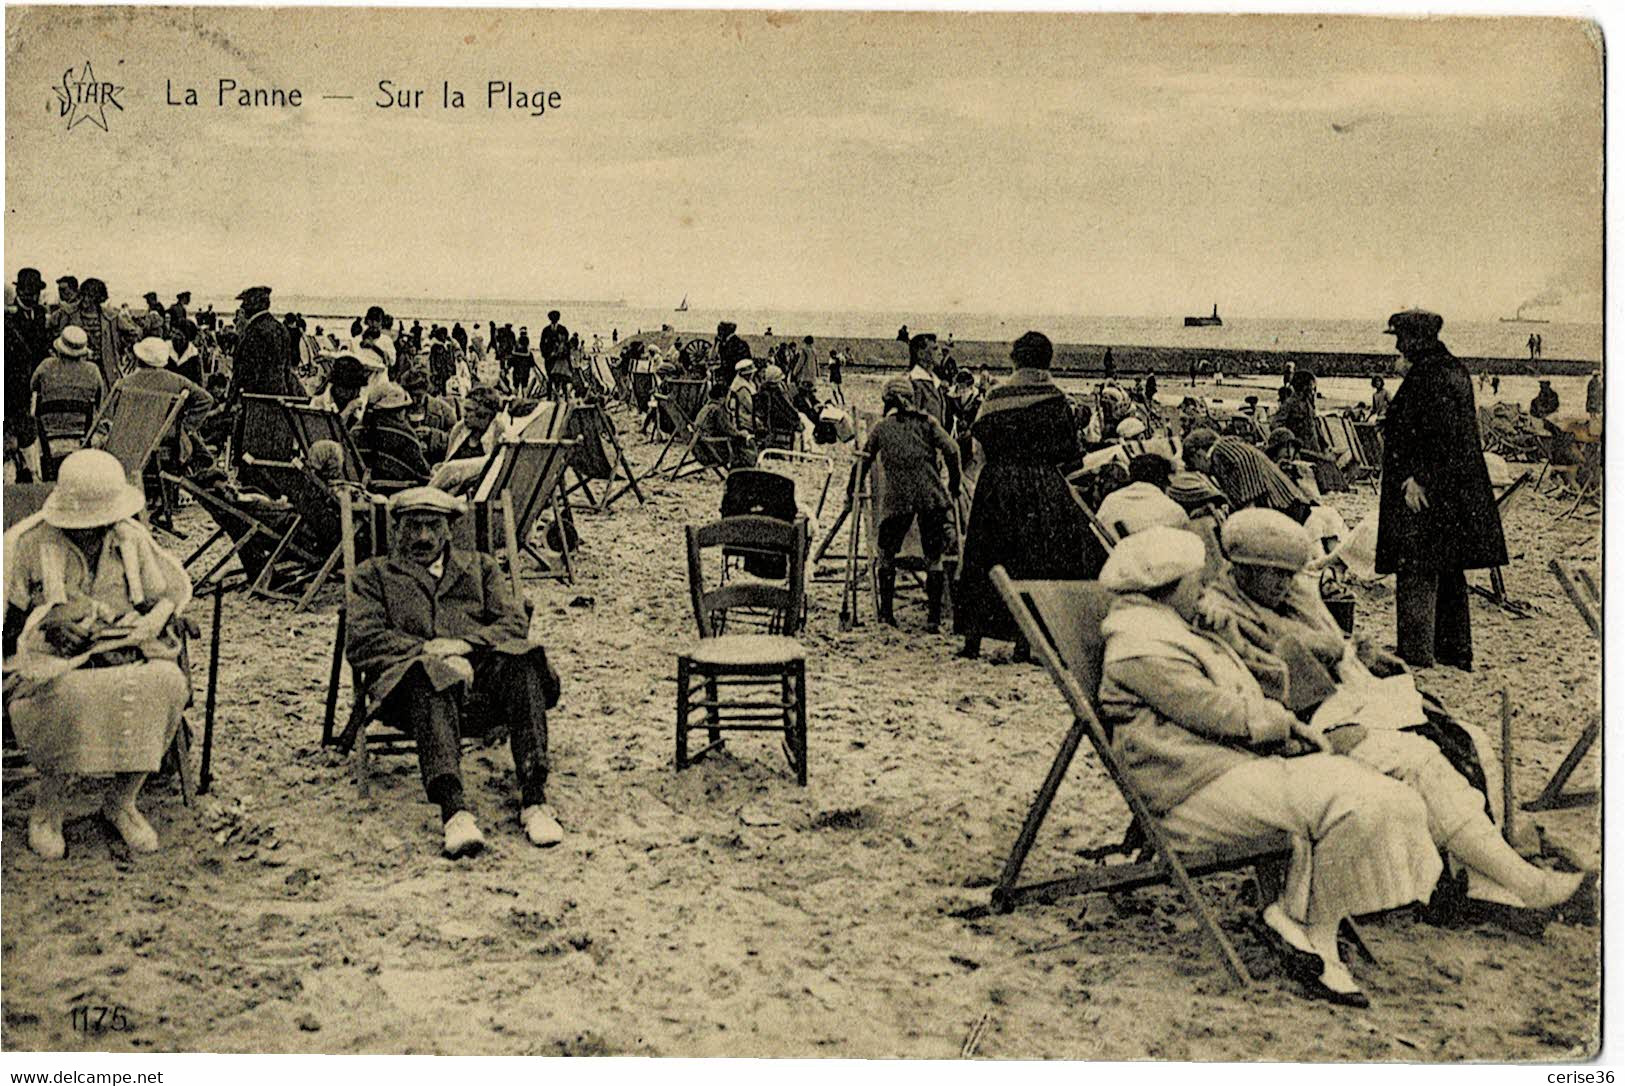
(682, 307)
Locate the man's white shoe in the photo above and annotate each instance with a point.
(541, 827)
(133, 827)
(45, 837)
(463, 837)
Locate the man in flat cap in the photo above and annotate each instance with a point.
(1437, 515)
(261, 361)
(177, 311)
(429, 625)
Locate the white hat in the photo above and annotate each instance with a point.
(1151, 559)
(744, 365)
(1130, 427)
(1265, 537)
(72, 342)
(154, 351)
(91, 492)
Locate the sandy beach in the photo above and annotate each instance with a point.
(725, 911)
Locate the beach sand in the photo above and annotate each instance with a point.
(725, 911)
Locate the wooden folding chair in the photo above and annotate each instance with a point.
(681, 401)
(266, 442)
(1061, 621)
(531, 472)
(64, 424)
(599, 456)
(312, 424)
(251, 534)
(1582, 591)
(365, 736)
(1497, 591)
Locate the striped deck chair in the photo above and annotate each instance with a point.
(679, 403)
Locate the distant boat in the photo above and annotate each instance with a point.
(1521, 319)
(682, 307)
(1205, 322)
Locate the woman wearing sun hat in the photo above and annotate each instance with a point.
(1200, 742)
(92, 683)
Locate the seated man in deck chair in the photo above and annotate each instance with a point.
(430, 624)
(1268, 614)
(717, 428)
(1200, 742)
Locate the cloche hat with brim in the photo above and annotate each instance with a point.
(91, 492)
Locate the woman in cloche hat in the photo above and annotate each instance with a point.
(92, 683)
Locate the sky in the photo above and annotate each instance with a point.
(1282, 166)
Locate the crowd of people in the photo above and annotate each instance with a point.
(1238, 703)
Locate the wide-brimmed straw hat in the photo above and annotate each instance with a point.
(91, 492)
(154, 352)
(390, 396)
(72, 342)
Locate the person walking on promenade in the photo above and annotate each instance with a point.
(1437, 516)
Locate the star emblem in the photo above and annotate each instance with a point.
(87, 98)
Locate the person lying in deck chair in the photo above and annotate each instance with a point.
(1202, 744)
(1267, 613)
(430, 624)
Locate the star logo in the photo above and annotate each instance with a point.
(86, 98)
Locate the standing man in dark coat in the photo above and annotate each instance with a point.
(1437, 516)
(555, 347)
(261, 361)
(27, 344)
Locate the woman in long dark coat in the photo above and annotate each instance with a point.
(1437, 515)
(1023, 515)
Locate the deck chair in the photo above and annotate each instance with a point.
(716, 674)
(1061, 621)
(364, 736)
(266, 441)
(133, 424)
(531, 472)
(679, 402)
(599, 457)
(264, 533)
(1497, 591)
(313, 424)
(1583, 592)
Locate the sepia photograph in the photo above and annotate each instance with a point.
(860, 535)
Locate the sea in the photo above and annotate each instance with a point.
(1477, 339)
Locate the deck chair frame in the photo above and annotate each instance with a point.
(1038, 608)
(545, 491)
(590, 422)
(1496, 593)
(672, 400)
(388, 739)
(1584, 593)
(133, 436)
(281, 542)
(313, 424)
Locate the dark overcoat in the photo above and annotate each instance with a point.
(1431, 435)
(395, 605)
(261, 361)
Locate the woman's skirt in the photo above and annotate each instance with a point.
(1023, 517)
(102, 720)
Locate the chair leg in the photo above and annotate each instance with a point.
(801, 722)
(713, 715)
(333, 682)
(182, 750)
(359, 762)
(682, 713)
